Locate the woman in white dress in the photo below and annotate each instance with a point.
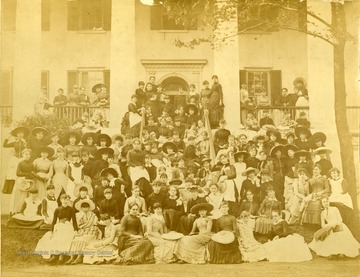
(339, 186)
(334, 239)
(215, 199)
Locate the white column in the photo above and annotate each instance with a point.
(226, 66)
(321, 84)
(27, 68)
(123, 59)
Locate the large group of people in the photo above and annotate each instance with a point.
(181, 188)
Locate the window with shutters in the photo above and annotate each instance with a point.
(88, 77)
(160, 21)
(8, 15)
(263, 85)
(89, 15)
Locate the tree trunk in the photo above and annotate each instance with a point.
(345, 138)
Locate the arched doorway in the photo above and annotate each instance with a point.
(177, 89)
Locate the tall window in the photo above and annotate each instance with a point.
(45, 81)
(87, 15)
(262, 84)
(160, 21)
(8, 15)
(88, 78)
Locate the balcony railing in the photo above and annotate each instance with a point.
(71, 113)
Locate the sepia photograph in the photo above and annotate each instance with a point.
(180, 138)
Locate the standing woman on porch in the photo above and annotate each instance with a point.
(215, 104)
(301, 92)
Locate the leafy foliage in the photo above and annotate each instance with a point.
(49, 121)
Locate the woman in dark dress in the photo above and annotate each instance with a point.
(221, 136)
(221, 253)
(133, 248)
(37, 141)
(88, 140)
(173, 209)
(215, 103)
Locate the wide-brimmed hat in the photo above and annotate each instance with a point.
(301, 80)
(318, 136)
(85, 136)
(86, 185)
(78, 204)
(39, 129)
(172, 235)
(275, 133)
(94, 88)
(276, 149)
(194, 188)
(201, 206)
(169, 144)
(105, 137)
(175, 182)
(260, 137)
(288, 147)
(191, 106)
(291, 133)
(106, 150)
(269, 127)
(239, 153)
(302, 153)
(223, 237)
(321, 150)
(66, 137)
(23, 129)
(250, 169)
(109, 170)
(299, 130)
(48, 150)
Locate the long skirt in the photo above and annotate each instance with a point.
(288, 192)
(137, 172)
(263, 225)
(25, 222)
(60, 181)
(19, 194)
(289, 249)
(336, 243)
(135, 251)
(83, 238)
(41, 186)
(57, 242)
(163, 250)
(186, 224)
(224, 253)
(192, 249)
(312, 213)
(106, 253)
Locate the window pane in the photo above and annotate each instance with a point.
(8, 15)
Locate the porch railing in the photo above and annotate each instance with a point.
(71, 113)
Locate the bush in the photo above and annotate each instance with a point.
(48, 121)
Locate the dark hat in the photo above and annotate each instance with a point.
(300, 80)
(81, 187)
(48, 150)
(33, 190)
(104, 137)
(274, 132)
(169, 144)
(276, 149)
(201, 206)
(117, 137)
(85, 136)
(109, 170)
(250, 169)
(239, 153)
(193, 188)
(175, 182)
(191, 106)
(288, 147)
(261, 137)
(299, 130)
(302, 153)
(23, 129)
(106, 150)
(318, 136)
(66, 137)
(322, 150)
(39, 129)
(291, 133)
(94, 88)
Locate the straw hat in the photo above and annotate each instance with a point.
(91, 203)
(223, 237)
(321, 150)
(175, 182)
